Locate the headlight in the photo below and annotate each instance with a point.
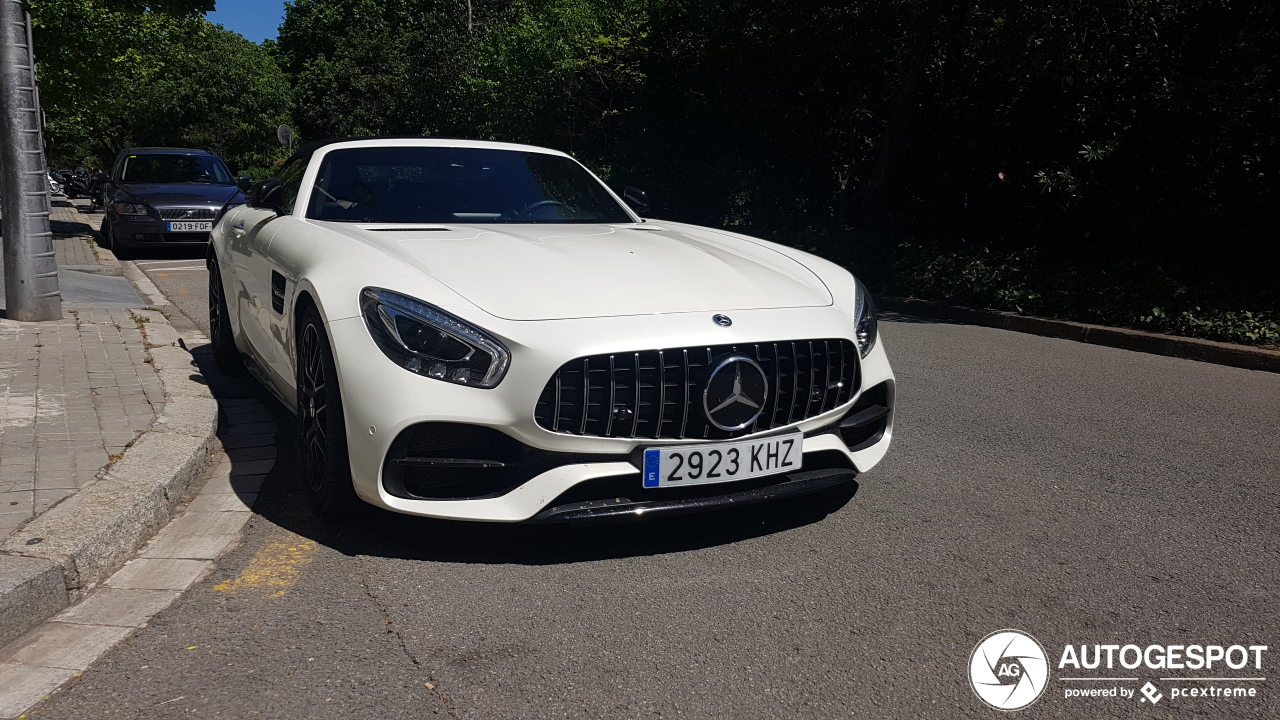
(866, 327)
(431, 342)
(131, 209)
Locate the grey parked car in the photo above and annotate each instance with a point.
(158, 197)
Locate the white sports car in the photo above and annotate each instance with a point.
(484, 331)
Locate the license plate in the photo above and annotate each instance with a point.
(188, 226)
(681, 465)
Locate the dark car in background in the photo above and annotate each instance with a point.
(166, 197)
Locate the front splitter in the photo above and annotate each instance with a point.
(623, 509)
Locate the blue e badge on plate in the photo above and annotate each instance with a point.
(652, 457)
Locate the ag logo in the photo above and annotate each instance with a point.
(1008, 670)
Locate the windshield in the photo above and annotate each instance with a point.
(175, 169)
(458, 185)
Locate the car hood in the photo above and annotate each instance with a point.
(179, 194)
(551, 272)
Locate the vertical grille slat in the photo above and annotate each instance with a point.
(613, 398)
(586, 395)
(827, 385)
(777, 385)
(663, 391)
(662, 394)
(844, 386)
(635, 412)
(555, 413)
(765, 407)
(813, 383)
(688, 382)
(795, 383)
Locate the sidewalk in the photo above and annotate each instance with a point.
(104, 425)
(76, 392)
(108, 421)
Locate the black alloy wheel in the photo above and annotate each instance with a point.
(225, 353)
(322, 432)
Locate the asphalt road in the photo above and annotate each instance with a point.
(1079, 493)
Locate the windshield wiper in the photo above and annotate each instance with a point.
(344, 204)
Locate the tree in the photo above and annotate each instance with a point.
(115, 74)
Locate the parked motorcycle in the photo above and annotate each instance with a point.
(79, 183)
(97, 199)
(55, 187)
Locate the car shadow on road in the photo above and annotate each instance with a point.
(371, 531)
(171, 252)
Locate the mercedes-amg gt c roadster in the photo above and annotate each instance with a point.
(485, 331)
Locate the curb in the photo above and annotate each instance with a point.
(1219, 353)
(58, 557)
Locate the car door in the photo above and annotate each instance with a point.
(283, 268)
(248, 236)
(264, 285)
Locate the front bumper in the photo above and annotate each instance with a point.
(136, 231)
(591, 475)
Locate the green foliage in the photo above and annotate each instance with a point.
(558, 72)
(141, 77)
(375, 67)
(1111, 161)
(1026, 280)
(561, 72)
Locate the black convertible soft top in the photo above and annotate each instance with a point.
(310, 147)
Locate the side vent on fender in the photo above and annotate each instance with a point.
(277, 292)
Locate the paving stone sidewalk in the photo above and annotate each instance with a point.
(74, 393)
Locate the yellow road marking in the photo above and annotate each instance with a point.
(276, 567)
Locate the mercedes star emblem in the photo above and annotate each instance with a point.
(722, 320)
(734, 394)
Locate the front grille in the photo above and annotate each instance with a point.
(657, 393)
(181, 213)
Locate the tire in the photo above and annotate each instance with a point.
(225, 353)
(322, 430)
(105, 232)
(110, 242)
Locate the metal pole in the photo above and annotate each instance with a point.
(30, 270)
(35, 79)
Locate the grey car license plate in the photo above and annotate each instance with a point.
(189, 226)
(683, 465)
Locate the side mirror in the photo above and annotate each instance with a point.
(244, 182)
(101, 176)
(266, 195)
(637, 199)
